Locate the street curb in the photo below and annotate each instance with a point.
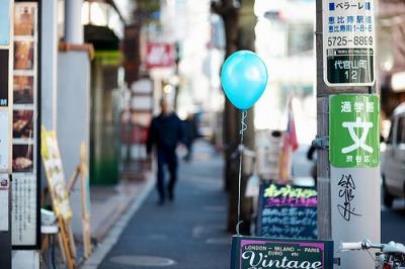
(113, 235)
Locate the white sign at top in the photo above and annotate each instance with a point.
(348, 42)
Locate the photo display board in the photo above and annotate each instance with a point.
(25, 185)
(258, 253)
(287, 211)
(348, 42)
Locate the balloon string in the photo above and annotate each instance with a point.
(243, 128)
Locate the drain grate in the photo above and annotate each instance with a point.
(143, 261)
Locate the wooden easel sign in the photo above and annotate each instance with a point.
(82, 173)
(59, 194)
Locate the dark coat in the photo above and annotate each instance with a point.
(165, 131)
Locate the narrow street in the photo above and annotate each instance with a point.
(392, 223)
(187, 233)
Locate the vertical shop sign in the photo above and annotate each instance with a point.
(348, 42)
(25, 127)
(5, 131)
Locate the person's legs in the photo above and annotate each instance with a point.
(188, 155)
(160, 177)
(172, 162)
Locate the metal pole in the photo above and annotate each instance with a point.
(329, 221)
(73, 21)
(49, 55)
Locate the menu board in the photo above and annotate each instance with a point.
(54, 172)
(258, 253)
(287, 211)
(25, 184)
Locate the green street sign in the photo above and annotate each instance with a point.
(354, 130)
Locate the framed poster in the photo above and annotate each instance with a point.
(25, 160)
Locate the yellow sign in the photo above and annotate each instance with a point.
(54, 172)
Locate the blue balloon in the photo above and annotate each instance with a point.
(243, 78)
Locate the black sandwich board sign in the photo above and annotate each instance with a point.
(287, 211)
(258, 253)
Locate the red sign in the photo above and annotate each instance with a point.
(160, 55)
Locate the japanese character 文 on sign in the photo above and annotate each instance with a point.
(354, 131)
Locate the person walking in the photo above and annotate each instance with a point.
(165, 133)
(190, 134)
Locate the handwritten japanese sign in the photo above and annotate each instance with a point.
(354, 130)
(258, 253)
(287, 211)
(355, 214)
(348, 42)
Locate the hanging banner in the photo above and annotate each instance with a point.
(348, 42)
(25, 185)
(287, 211)
(258, 253)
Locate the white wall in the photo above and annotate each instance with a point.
(73, 122)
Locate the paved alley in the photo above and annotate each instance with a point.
(187, 233)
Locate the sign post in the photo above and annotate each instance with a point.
(5, 131)
(354, 156)
(348, 126)
(349, 43)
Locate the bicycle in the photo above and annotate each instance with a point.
(389, 256)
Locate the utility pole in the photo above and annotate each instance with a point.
(6, 102)
(239, 21)
(348, 166)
